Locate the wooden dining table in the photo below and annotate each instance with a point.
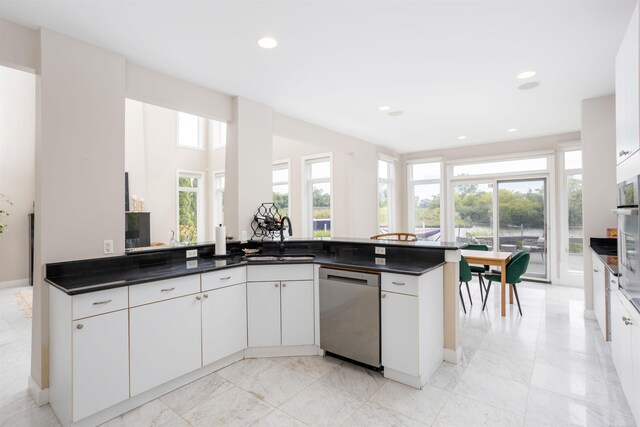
(496, 258)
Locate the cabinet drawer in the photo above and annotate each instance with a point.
(222, 278)
(91, 304)
(146, 293)
(267, 273)
(400, 283)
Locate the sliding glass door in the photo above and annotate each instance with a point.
(522, 221)
(473, 211)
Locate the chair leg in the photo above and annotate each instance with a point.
(462, 299)
(515, 291)
(469, 293)
(481, 280)
(486, 295)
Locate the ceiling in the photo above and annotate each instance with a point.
(450, 66)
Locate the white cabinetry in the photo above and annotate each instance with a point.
(599, 293)
(412, 326)
(627, 94)
(625, 347)
(165, 341)
(89, 356)
(280, 312)
(224, 322)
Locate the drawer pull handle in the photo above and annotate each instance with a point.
(276, 285)
(623, 153)
(284, 285)
(383, 296)
(627, 320)
(595, 270)
(399, 283)
(198, 298)
(102, 302)
(79, 326)
(225, 278)
(167, 289)
(206, 295)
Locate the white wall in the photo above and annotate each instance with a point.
(17, 169)
(598, 177)
(19, 46)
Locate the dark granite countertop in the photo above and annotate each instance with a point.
(607, 251)
(77, 277)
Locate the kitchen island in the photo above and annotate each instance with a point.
(127, 329)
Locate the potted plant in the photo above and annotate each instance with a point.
(5, 201)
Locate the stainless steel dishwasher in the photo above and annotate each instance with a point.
(350, 314)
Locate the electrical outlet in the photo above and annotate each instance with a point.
(192, 253)
(243, 237)
(107, 247)
(380, 250)
(192, 263)
(381, 261)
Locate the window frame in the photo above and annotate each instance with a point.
(411, 183)
(390, 181)
(307, 161)
(200, 197)
(201, 132)
(211, 123)
(279, 165)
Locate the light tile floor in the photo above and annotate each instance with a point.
(547, 368)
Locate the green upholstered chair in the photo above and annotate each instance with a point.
(479, 269)
(516, 267)
(465, 276)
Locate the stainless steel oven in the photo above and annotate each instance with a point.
(628, 235)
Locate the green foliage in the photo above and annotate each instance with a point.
(188, 216)
(320, 198)
(281, 201)
(427, 212)
(575, 201)
(322, 233)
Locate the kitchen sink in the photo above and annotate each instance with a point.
(271, 258)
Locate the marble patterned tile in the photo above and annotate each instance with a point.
(446, 376)
(372, 415)
(235, 407)
(587, 386)
(508, 345)
(356, 380)
(278, 418)
(423, 405)
(322, 405)
(34, 417)
(500, 392)
(314, 366)
(464, 411)
(568, 359)
(154, 413)
(19, 402)
(244, 369)
(503, 365)
(193, 394)
(551, 409)
(277, 384)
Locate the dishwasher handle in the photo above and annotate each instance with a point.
(349, 277)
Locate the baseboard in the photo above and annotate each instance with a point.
(589, 314)
(401, 377)
(40, 396)
(292, 350)
(452, 356)
(14, 283)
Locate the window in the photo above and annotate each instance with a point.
(386, 196)
(573, 191)
(218, 209)
(281, 187)
(189, 134)
(424, 199)
(505, 166)
(217, 133)
(318, 193)
(190, 217)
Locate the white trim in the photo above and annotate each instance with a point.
(387, 157)
(498, 157)
(281, 351)
(392, 198)
(201, 124)
(39, 396)
(451, 356)
(306, 214)
(425, 160)
(14, 283)
(201, 195)
(411, 183)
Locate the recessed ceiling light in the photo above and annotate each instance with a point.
(462, 137)
(526, 75)
(395, 113)
(384, 108)
(267, 42)
(512, 130)
(529, 85)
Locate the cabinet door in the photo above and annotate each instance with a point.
(634, 402)
(599, 294)
(400, 344)
(263, 314)
(100, 362)
(165, 341)
(224, 322)
(621, 347)
(297, 312)
(622, 128)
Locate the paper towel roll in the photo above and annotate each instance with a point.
(221, 240)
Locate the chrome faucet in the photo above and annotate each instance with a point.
(281, 243)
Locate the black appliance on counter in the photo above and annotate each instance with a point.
(628, 235)
(137, 232)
